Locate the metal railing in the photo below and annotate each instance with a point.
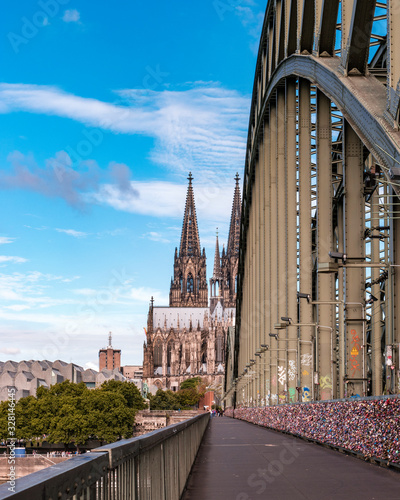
(150, 467)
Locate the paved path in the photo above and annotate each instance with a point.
(241, 461)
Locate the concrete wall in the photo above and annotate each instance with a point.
(27, 465)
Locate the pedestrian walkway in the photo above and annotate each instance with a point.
(241, 461)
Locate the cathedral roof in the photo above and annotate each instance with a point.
(190, 241)
(234, 228)
(170, 317)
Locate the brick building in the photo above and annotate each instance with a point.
(109, 357)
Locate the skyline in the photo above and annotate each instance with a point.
(104, 112)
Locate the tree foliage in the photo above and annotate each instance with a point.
(186, 398)
(71, 413)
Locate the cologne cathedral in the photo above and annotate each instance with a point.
(188, 338)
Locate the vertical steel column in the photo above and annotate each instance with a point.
(355, 248)
(247, 316)
(291, 169)
(347, 13)
(281, 190)
(273, 247)
(325, 282)
(256, 298)
(393, 41)
(395, 254)
(267, 258)
(376, 316)
(261, 270)
(305, 248)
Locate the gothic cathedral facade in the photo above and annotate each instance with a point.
(188, 338)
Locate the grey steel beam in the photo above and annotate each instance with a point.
(273, 243)
(292, 28)
(355, 58)
(281, 235)
(291, 174)
(267, 256)
(281, 38)
(325, 282)
(361, 100)
(305, 247)
(354, 277)
(376, 315)
(325, 42)
(393, 84)
(396, 298)
(307, 27)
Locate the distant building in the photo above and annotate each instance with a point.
(26, 376)
(188, 338)
(109, 357)
(134, 374)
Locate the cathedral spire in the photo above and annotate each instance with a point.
(234, 229)
(190, 241)
(217, 260)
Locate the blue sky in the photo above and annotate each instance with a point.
(104, 109)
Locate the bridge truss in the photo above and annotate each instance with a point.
(318, 311)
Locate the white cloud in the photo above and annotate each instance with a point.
(90, 365)
(71, 16)
(165, 199)
(202, 128)
(252, 18)
(12, 259)
(6, 239)
(154, 236)
(17, 307)
(19, 291)
(72, 232)
(143, 294)
(10, 350)
(86, 292)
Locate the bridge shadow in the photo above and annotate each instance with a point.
(241, 461)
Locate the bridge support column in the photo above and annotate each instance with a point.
(291, 170)
(376, 316)
(325, 282)
(274, 251)
(306, 361)
(395, 259)
(267, 260)
(354, 278)
(281, 240)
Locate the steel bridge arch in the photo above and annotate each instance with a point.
(331, 56)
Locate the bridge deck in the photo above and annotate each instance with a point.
(241, 461)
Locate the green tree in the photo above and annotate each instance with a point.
(109, 417)
(164, 400)
(187, 398)
(190, 383)
(128, 390)
(3, 420)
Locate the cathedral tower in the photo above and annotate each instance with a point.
(189, 284)
(230, 258)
